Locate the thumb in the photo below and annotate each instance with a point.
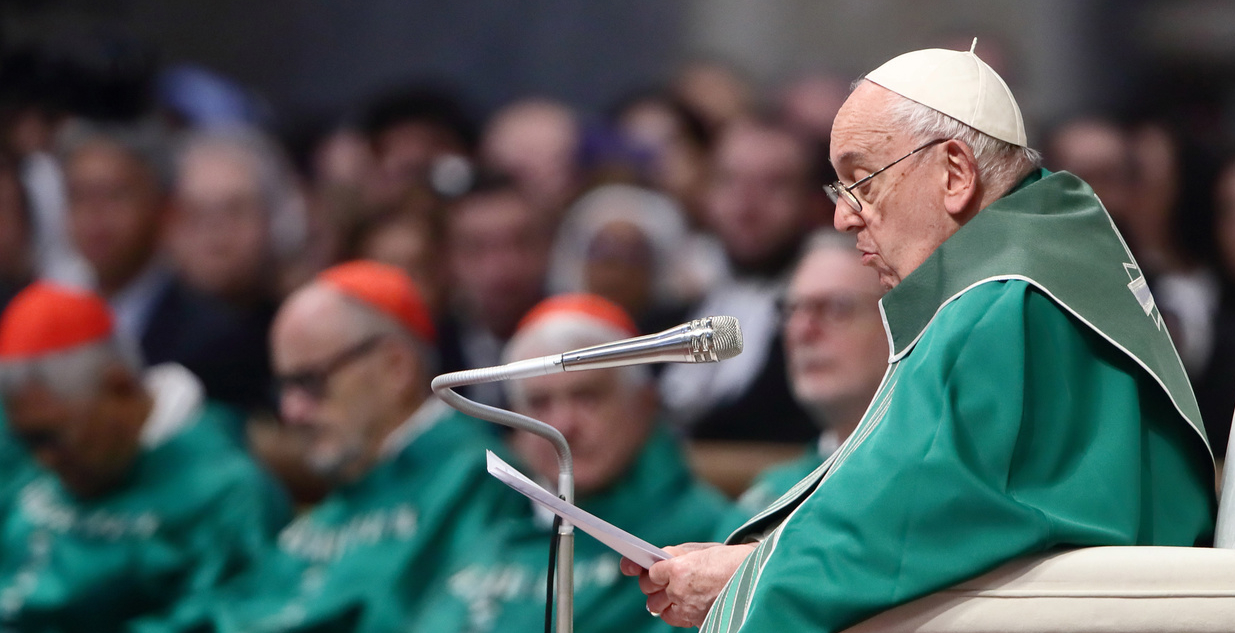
(661, 571)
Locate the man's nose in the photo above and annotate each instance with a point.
(295, 405)
(564, 418)
(845, 218)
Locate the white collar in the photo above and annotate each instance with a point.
(178, 400)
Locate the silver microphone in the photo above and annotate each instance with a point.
(705, 340)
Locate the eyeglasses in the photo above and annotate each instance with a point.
(313, 382)
(836, 191)
(829, 311)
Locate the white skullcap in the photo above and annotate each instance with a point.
(959, 85)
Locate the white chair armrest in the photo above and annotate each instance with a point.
(1090, 590)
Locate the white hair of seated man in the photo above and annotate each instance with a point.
(74, 374)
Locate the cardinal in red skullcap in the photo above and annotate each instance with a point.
(353, 354)
(131, 483)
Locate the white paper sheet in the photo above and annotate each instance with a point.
(620, 541)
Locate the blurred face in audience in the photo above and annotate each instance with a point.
(1100, 154)
(14, 228)
(715, 91)
(835, 344)
(220, 232)
(498, 254)
(810, 104)
(758, 201)
(340, 387)
(679, 165)
(405, 153)
(605, 419)
(535, 143)
(1226, 218)
(619, 266)
(116, 211)
(407, 242)
(89, 442)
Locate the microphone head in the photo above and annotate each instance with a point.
(726, 336)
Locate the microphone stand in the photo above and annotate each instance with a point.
(444, 386)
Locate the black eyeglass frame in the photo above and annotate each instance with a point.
(837, 191)
(313, 382)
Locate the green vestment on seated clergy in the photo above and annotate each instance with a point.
(503, 587)
(1034, 400)
(364, 558)
(194, 512)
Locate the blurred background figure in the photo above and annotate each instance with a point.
(497, 251)
(807, 105)
(809, 102)
(676, 142)
(625, 458)
(16, 258)
(837, 354)
(411, 131)
(238, 217)
(353, 353)
(410, 239)
(630, 245)
(717, 92)
(119, 180)
(536, 143)
(140, 497)
(759, 205)
(1214, 390)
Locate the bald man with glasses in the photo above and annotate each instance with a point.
(1033, 399)
(352, 355)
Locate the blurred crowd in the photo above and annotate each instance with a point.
(186, 205)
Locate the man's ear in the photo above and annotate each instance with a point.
(961, 186)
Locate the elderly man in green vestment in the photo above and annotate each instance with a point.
(125, 491)
(1033, 398)
(351, 350)
(628, 470)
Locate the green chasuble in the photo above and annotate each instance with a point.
(1033, 401)
(195, 511)
(364, 558)
(502, 589)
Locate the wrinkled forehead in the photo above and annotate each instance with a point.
(864, 129)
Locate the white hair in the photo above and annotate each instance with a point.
(562, 333)
(1000, 164)
(72, 374)
(272, 170)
